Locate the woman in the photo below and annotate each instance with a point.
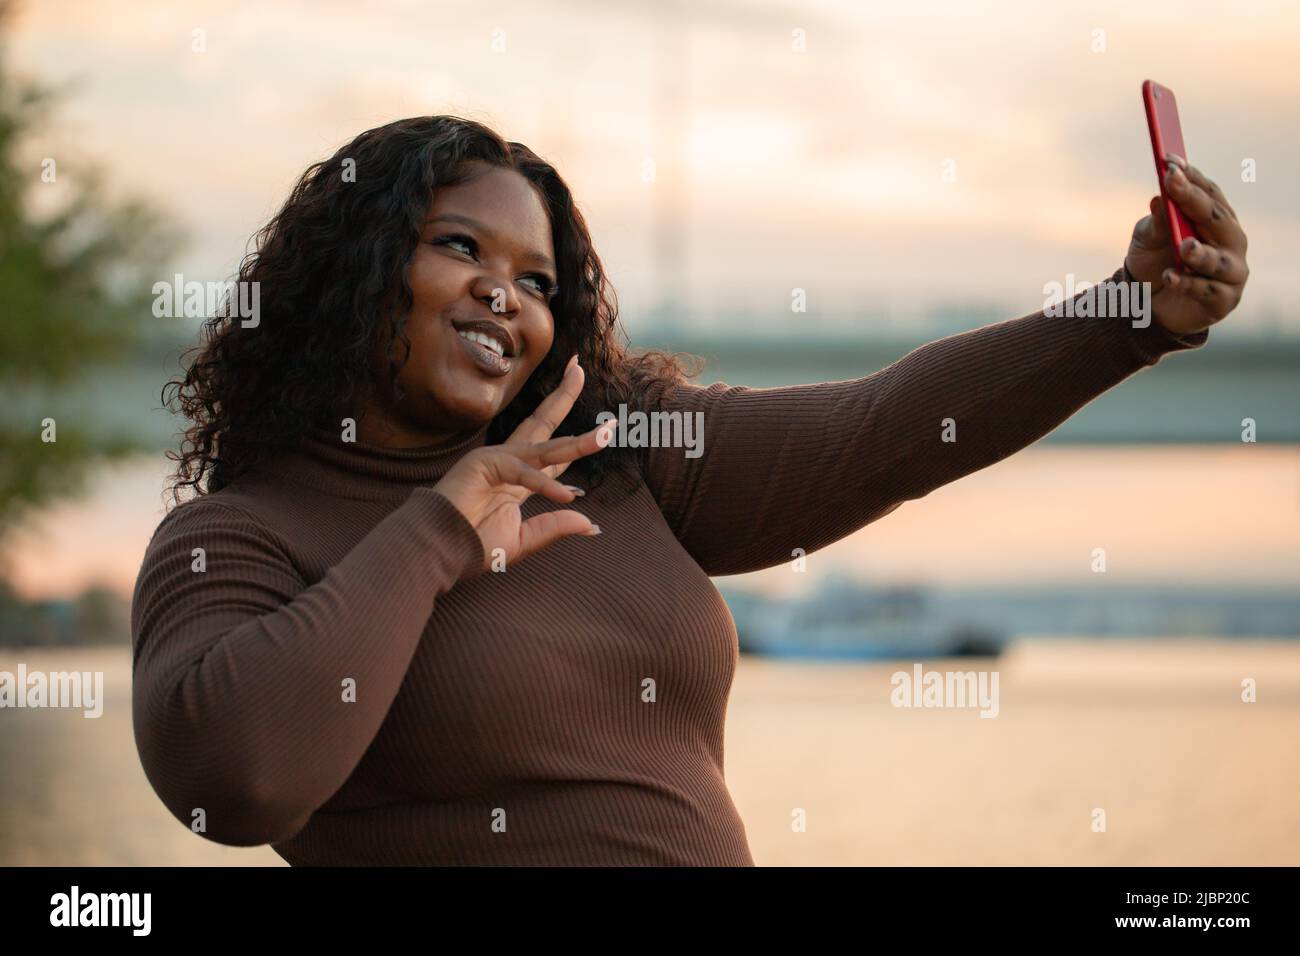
(383, 631)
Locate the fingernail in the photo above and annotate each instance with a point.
(573, 359)
(1167, 277)
(1175, 159)
(1190, 245)
(595, 529)
(576, 490)
(604, 436)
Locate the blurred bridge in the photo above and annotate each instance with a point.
(1199, 396)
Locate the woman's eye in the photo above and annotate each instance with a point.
(458, 239)
(544, 285)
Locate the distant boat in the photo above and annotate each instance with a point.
(845, 621)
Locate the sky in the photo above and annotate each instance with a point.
(889, 159)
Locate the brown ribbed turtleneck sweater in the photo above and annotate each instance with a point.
(569, 710)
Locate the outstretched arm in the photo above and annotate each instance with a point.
(805, 465)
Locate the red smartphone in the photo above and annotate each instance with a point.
(1167, 137)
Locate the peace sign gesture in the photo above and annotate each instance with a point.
(489, 484)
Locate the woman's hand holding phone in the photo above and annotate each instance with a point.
(1187, 303)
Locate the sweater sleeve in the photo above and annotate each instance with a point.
(239, 670)
(800, 467)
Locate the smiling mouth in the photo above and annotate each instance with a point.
(486, 341)
(486, 352)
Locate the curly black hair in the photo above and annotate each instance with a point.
(332, 270)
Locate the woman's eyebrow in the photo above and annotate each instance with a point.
(532, 255)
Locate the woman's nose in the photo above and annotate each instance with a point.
(498, 293)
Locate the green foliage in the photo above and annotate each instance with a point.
(75, 295)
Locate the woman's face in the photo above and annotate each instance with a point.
(484, 268)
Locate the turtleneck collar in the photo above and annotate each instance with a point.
(322, 460)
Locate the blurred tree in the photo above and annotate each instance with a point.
(74, 295)
(103, 617)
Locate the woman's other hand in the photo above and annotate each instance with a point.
(489, 484)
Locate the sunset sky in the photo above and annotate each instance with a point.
(820, 169)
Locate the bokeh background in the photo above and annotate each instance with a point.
(917, 169)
